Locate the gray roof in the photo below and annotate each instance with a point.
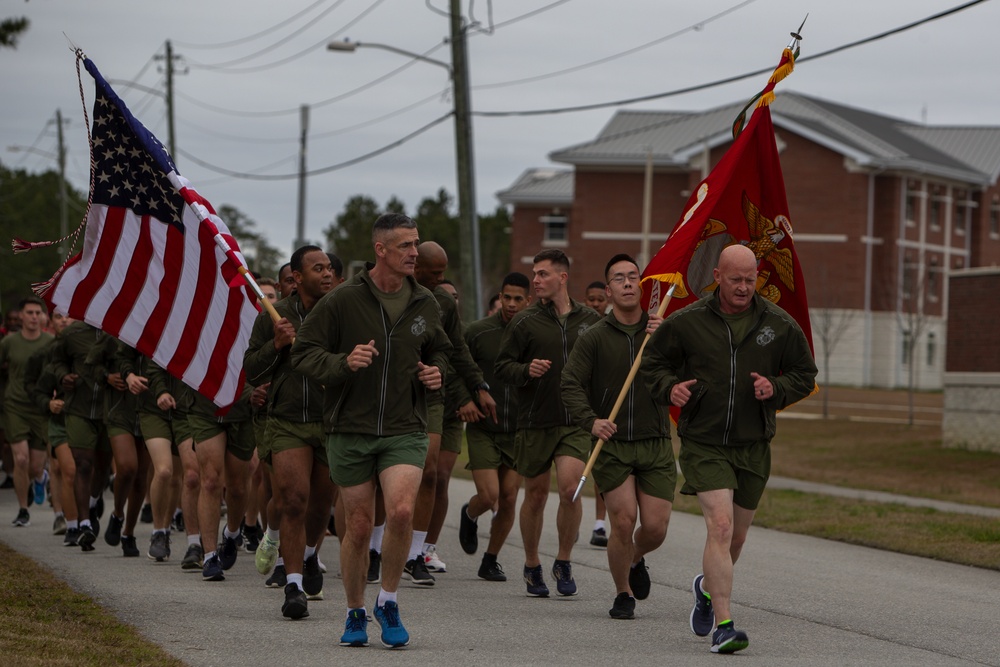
(552, 187)
(966, 154)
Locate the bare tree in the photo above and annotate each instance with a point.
(829, 325)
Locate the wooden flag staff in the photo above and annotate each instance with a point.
(622, 394)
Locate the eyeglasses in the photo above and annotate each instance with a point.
(620, 278)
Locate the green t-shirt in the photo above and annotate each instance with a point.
(15, 350)
(395, 302)
(739, 324)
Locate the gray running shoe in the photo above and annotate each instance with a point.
(193, 557)
(59, 525)
(158, 549)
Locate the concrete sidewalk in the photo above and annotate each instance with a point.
(803, 601)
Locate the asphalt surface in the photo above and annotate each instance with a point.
(803, 601)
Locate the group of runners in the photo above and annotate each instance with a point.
(353, 417)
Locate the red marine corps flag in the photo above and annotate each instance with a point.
(159, 270)
(741, 201)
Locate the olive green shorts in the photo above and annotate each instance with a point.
(179, 426)
(536, 448)
(239, 435)
(435, 418)
(283, 435)
(451, 435)
(356, 458)
(651, 461)
(155, 426)
(260, 422)
(57, 433)
(86, 433)
(120, 418)
(26, 423)
(711, 467)
(489, 450)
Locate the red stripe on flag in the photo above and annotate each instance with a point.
(219, 362)
(88, 288)
(173, 263)
(200, 304)
(135, 279)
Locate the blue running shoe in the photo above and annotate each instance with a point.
(39, 488)
(562, 572)
(727, 639)
(212, 571)
(535, 582)
(227, 552)
(356, 631)
(702, 614)
(394, 635)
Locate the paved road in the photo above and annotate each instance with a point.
(803, 601)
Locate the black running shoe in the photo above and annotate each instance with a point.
(702, 614)
(251, 537)
(95, 521)
(599, 538)
(87, 538)
(727, 639)
(468, 531)
(312, 576)
(72, 535)
(192, 558)
(212, 570)
(278, 578)
(146, 513)
(113, 533)
(535, 582)
(129, 548)
(490, 570)
(638, 579)
(374, 567)
(177, 524)
(416, 569)
(22, 519)
(562, 572)
(623, 607)
(295, 606)
(227, 552)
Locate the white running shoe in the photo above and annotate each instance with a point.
(431, 560)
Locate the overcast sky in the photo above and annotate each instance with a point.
(248, 65)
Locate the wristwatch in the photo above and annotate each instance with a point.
(482, 386)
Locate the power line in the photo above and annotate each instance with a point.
(527, 15)
(731, 79)
(600, 61)
(322, 170)
(248, 38)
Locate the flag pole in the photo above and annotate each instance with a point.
(622, 394)
(247, 276)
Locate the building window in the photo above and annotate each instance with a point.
(556, 228)
(931, 348)
(909, 269)
(934, 215)
(963, 212)
(913, 195)
(907, 347)
(933, 279)
(995, 222)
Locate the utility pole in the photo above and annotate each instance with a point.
(169, 71)
(465, 164)
(300, 221)
(63, 213)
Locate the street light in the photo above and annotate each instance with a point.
(465, 168)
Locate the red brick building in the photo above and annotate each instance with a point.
(883, 211)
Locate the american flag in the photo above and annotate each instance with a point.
(154, 270)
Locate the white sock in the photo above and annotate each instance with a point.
(383, 597)
(361, 608)
(231, 535)
(72, 524)
(309, 553)
(417, 544)
(599, 524)
(194, 539)
(273, 534)
(376, 539)
(280, 562)
(209, 556)
(93, 501)
(295, 579)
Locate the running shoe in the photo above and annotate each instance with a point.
(71, 537)
(38, 488)
(129, 548)
(417, 571)
(468, 531)
(87, 538)
(599, 538)
(727, 639)
(113, 533)
(59, 525)
(213, 570)
(432, 560)
(146, 513)
(266, 555)
(315, 596)
(227, 552)
(394, 635)
(535, 582)
(177, 523)
(158, 549)
(638, 579)
(562, 572)
(374, 567)
(702, 615)
(278, 578)
(95, 521)
(192, 557)
(491, 570)
(356, 630)
(623, 607)
(312, 578)
(22, 519)
(295, 605)
(251, 537)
